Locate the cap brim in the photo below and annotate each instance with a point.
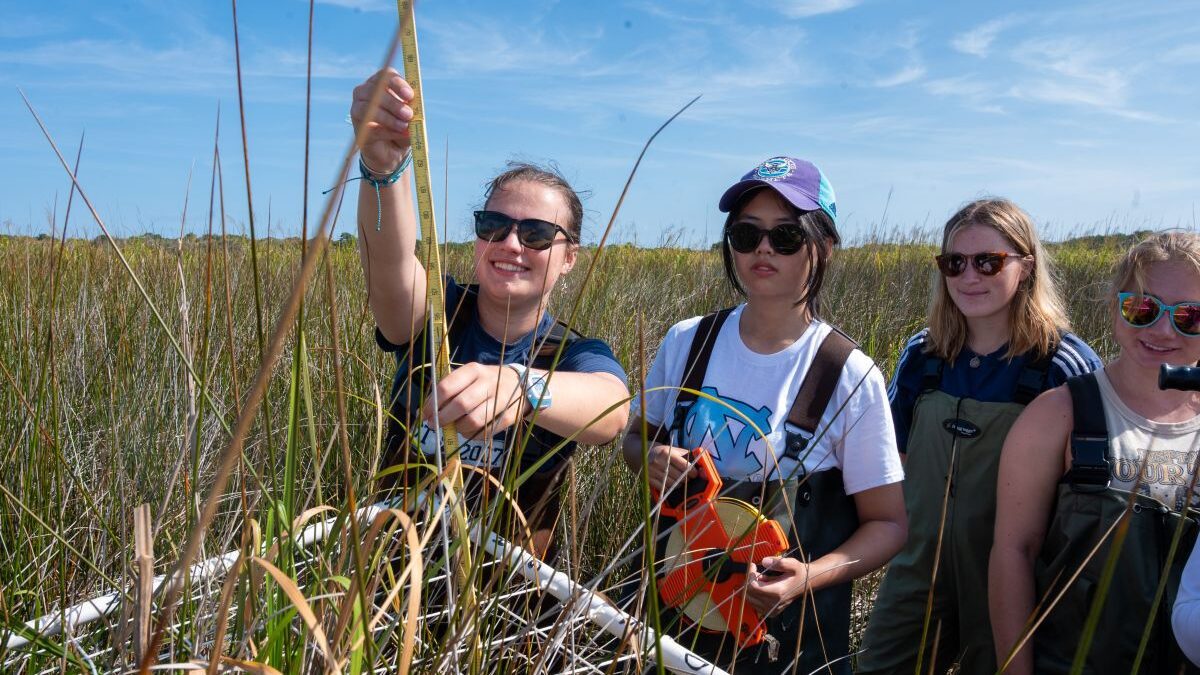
(794, 197)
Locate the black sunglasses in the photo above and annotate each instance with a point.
(534, 234)
(785, 239)
(988, 264)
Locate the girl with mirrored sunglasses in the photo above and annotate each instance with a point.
(514, 399)
(997, 337)
(1109, 447)
(837, 493)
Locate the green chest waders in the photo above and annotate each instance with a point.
(1080, 520)
(953, 458)
(1085, 511)
(813, 509)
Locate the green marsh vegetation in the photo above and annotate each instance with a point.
(101, 414)
(185, 376)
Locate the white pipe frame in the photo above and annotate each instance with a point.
(597, 609)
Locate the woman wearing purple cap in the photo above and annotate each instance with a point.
(795, 420)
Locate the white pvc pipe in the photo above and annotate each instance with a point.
(598, 609)
(99, 607)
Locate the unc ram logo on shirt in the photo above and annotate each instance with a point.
(729, 430)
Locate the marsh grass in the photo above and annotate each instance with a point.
(102, 415)
(135, 371)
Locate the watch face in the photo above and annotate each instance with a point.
(536, 394)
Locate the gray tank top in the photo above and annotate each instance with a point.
(1172, 447)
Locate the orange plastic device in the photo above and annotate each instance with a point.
(709, 554)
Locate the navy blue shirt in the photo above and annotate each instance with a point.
(993, 380)
(473, 344)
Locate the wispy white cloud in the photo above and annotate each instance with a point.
(1081, 143)
(973, 91)
(890, 60)
(361, 5)
(475, 45)
(1184, 55)
(962, 86)
(193, 64)
(16, 27)
(279, 62)
(799, 9)
(202, 65)
(742, 83)
(905, 75)
(1070, 71)
(978, 41)
(1065, 92)
(660, 11)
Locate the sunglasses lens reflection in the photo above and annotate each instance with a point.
(952, 264)
(989, 264)
(1187, 318)
(1140, 310)
(492, 226)
(536, 234)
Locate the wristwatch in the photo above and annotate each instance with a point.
(537, 394)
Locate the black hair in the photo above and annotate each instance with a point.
(820, 235)
(549, 176)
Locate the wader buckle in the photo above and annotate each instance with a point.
(795, 442)
(1090, 471)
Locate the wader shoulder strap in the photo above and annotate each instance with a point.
(1089, 437)
(545, 350)
(816, 391)
(1033, 377)
(694, 369)
(700, 352)
(931, 373)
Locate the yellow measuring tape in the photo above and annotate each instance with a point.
(420, 166)
(437, 300)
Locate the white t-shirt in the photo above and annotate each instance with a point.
(1185, 617)
(754, 393)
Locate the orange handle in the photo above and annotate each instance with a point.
(693, 491)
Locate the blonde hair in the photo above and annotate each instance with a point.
(1129, 273)
(1036, 315)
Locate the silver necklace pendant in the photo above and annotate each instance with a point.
(974, 362)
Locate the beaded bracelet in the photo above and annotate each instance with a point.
(381, 180)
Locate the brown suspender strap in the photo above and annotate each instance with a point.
(817, 390)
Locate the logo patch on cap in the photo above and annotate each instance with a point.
(776, 168)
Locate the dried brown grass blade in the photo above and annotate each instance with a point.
(301, 604)
(231, 581)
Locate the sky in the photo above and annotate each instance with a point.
(1085, 113)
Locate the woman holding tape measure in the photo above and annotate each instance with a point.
(997, 337)
(503, 343)
(1069, 467)
(795, 421)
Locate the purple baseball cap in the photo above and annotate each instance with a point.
(798, 181)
